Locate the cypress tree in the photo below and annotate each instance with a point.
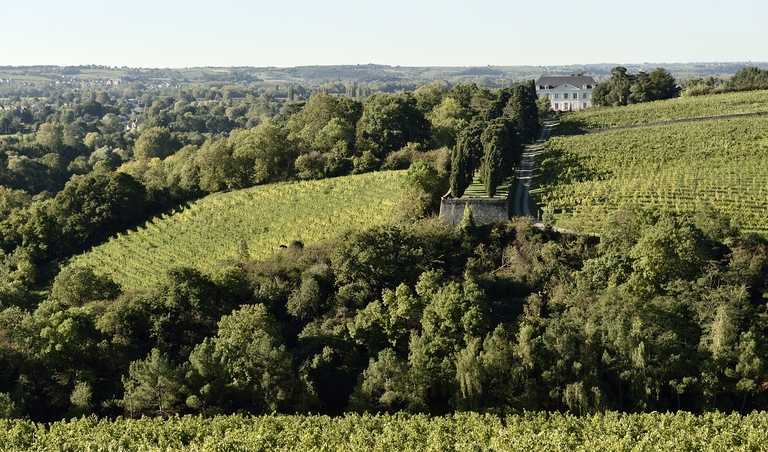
(492, 166)
(522, 111)
(458, 172)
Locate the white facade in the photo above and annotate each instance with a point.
(568, 93)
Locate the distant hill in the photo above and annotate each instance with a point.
(354, 73)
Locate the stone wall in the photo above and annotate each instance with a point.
(484, 210)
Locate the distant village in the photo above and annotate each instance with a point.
(129, 122)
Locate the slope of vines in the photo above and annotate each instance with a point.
(668, 110)
(462, 432)
(257, 221)
(682, 166)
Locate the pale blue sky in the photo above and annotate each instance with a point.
(176, 33)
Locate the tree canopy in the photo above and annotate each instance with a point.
(624, 88)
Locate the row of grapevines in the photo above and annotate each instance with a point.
(672, 109)
(461, 432)
(262, 218)
(680, 166)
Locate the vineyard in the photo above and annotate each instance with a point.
(257, 221)
(683, 166)
(667, 110)
(461, 432)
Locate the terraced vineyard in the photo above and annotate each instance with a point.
(720, 163)
(460, 432)
(263, 218)
(668, 110)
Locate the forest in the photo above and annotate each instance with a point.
(661, 312)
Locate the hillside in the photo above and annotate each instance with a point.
(263, 218)
(373, 315)
(717, 163)
(667, 110)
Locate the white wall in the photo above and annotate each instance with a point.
(568, 97)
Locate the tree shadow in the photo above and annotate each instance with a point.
(558, 167)
(570, 126)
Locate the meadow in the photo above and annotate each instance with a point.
(477, 189)
(256, 221)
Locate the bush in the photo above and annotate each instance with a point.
(366, 163)
(399, 160)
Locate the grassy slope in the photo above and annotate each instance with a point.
(477, 189)
(682, 166)
(668, 110)
(264, 217)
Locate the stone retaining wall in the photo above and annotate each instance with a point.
(484, 210)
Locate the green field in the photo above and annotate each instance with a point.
(101, 73)
(477, 189)
(667, 110)
(682, 166)
(23, 78)
(461, 432)
(264, 217)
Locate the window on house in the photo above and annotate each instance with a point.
(583, 95)
(583, 105)
(557, 95)
(557, 106)
(565, 95)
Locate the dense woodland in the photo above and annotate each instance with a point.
(662, 312)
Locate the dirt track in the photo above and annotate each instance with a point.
(522, 205)
(522, 208)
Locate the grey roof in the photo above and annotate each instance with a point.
(575, 80)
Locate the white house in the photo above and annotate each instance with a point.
(567, 93)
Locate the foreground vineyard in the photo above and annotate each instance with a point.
(720, 164)
(668, 110)
(263, 218)
(463, 432)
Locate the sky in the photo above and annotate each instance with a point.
(285, 33)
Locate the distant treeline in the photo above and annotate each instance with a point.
(746, 79)
(49, 81)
